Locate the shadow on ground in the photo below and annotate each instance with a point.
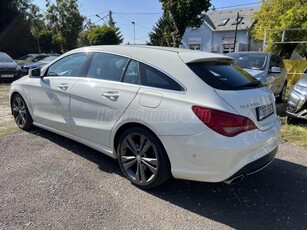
(281, 109)
(274, 198)
(105, 163)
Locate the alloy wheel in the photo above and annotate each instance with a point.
(19, 111)
(139, 158)
(21, 114)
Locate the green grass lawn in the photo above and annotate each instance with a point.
(295, 133)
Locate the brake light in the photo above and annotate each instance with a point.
(227, 124)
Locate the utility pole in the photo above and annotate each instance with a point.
(235, 41)
(133, 23)
(111, 22)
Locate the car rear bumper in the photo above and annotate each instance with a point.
(255, 166)
(210, 157)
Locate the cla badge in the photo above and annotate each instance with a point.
(251, 105)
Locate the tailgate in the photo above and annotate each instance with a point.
(257, 104)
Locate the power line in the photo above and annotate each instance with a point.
(159, 13)
(129, 20)
(233, 6)
(94, 15)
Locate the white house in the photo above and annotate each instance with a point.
(217, 33)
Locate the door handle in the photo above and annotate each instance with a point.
(63, 86)
(111, 95)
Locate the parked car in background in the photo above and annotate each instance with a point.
(297, 101)
(39, 64)
(267, 68)
(29, 58)
(9, 69)
(161, 112)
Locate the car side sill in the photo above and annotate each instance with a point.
(103, 149)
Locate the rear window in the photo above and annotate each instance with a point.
(154, 78)
(224, 76)
(256, 61)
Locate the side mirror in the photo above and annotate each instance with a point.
(35, 73)
(275, 69)
(305, 71)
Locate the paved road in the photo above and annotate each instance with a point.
(50, 182)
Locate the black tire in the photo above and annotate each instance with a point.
(282, 95)
(142, 158)
(21, 113)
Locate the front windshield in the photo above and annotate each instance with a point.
(5, 58)
(250, 61)
(49, 58)
(25, 58)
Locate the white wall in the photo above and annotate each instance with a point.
(201, 35)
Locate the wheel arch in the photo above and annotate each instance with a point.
(126, 126)
(12, 97)
(13, 94)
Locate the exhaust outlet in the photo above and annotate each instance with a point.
(235, 180)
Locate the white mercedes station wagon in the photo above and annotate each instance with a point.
(162, 112)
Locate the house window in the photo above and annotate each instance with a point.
(228, 48)
(194, 46)
(224, 22)
(237, 20)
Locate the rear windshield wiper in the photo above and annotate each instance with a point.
(254, 83)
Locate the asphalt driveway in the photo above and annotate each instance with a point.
(50, 182)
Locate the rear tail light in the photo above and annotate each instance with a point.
(227, 124)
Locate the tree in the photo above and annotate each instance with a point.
(83, 38)
(301, 49)
(162, 32)
(103, 35)
(117, 30)
(184, 14)
(66, 21)
(281, 14)
(46, 41)
(16, 38)
(36, 23)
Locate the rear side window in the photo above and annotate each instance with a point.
(107, 66)
(132, 75)
(273, 62)
(279, 62)
(154, 78)
(224, 76)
